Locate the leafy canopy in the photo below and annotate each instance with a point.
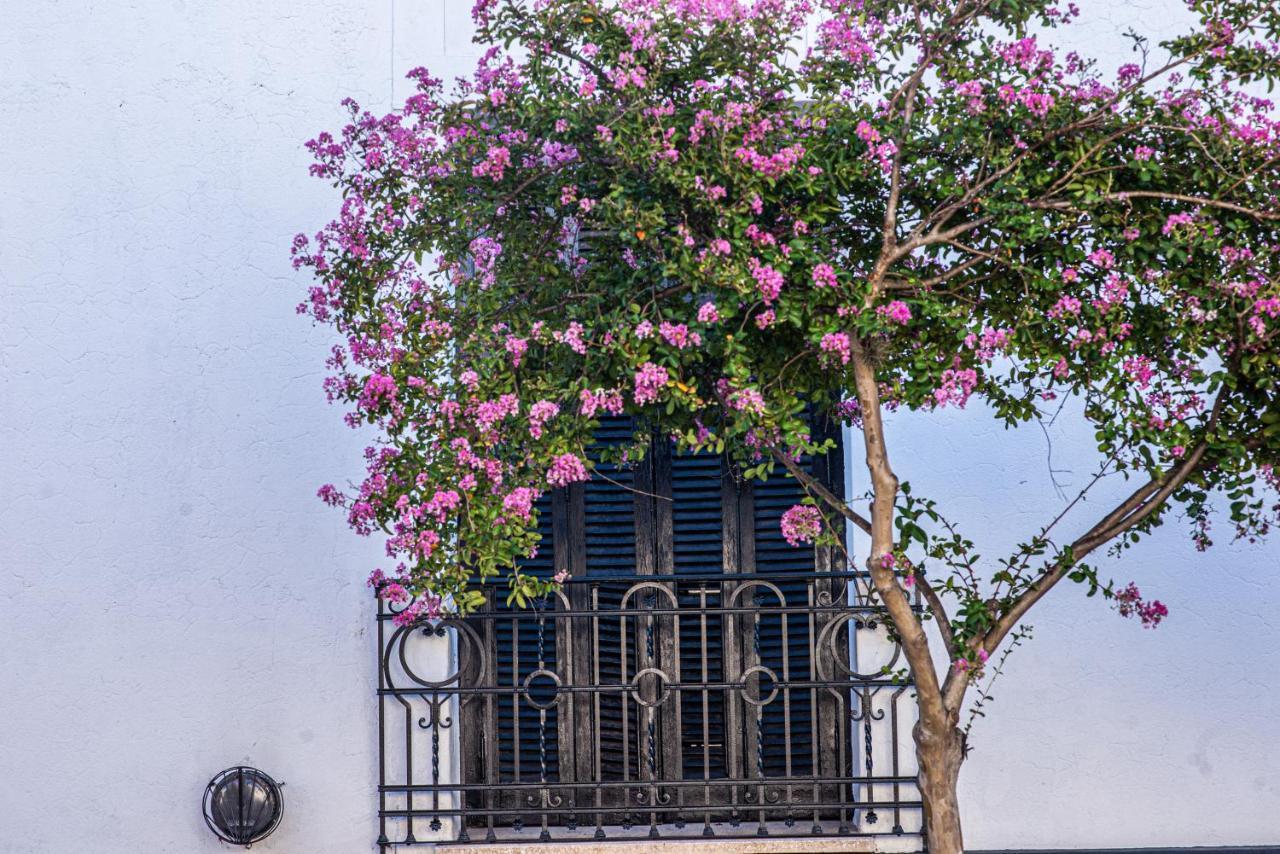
(668, 208)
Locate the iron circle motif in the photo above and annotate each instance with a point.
(472, 663)
(243, 805)
(829, 656)
(529, 690)
(637, 693)
(773, 684)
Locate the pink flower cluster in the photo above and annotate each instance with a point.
(880, 152)
(836, 345)
(495, 163)
(824, 276)
(678, 335)
(774, 165)
(519, 502)
(592, 401)
(895, 312)
(801, 524)
(957, 384)
(539, 414)
(649, 381)
(442, 503)
(566, 469)
(768, 280)
(1131, 604)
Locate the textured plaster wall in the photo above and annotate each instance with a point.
(172, 598)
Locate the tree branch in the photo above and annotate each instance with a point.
(911, 635)
(812, 484)
(1126, 195)
(939, 613)
(1139, 506)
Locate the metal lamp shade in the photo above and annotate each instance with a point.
(242, 805)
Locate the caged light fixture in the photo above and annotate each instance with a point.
(242, 805)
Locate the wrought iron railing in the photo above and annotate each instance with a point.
(651, 706)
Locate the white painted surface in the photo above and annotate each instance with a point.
(174, 598)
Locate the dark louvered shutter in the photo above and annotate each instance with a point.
(518, 641)
(784, 638)
(608, 514)
(683, 515)
(697, 511)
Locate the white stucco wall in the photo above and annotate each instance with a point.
(174, 599)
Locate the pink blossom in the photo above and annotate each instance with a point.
(517, 347)
(649, 381)
(747, 400)
(1102, 258)
(495, 163)
(1139, 370)
(708, 313)
(330, 495)
(1131, 604)
(539, 414)
(442, 503)
(519, 502)
(678, 335)
(1176, 220)
(824, 276)
(566, 469)
(490, 412)
(956, 387)
(768, 280)
(801, 524)
(593, 401)
(896, 312)
(774, 165)
(572, 336)
(1066, 305)
(378, 388)
(427, 606)
(837, 344)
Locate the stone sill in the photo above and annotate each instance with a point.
(764, 845)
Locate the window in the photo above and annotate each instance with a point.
(694, 677)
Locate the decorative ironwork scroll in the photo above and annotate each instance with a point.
(648, 706)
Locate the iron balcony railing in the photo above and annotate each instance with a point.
(667, 706)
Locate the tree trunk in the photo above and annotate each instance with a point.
(940, 751)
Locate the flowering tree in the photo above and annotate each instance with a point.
(664, 208)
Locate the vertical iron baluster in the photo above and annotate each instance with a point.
(434, 705)
(383, 842)
(814, 706)
(893, 756)
(596, 726)
(624, 695)
(867, 701)
(762, 830)
(706, 715)
(408, 766)
(492, 762)
(788, 816)
(652, 752)
(846, 764)
(516, 694)
(542, 725)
